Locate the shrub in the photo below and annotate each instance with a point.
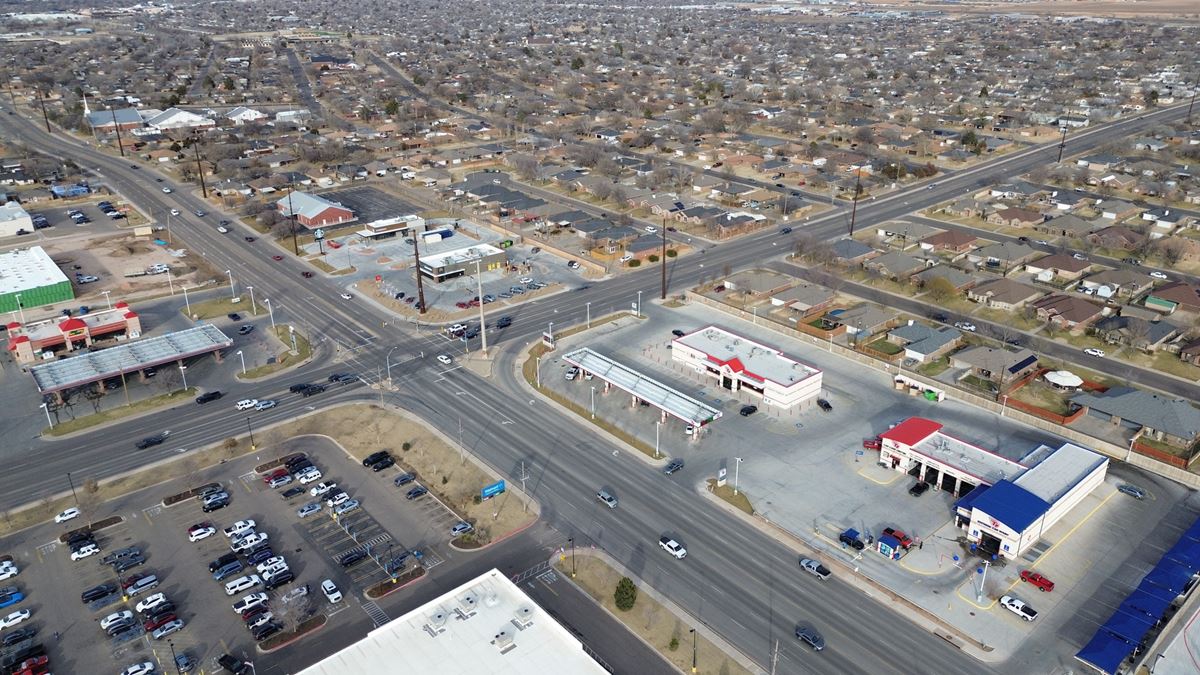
(635, 263)
(653, 257)
(445, 479)
(671, 253)
(674, 646)
(406, 446)
(477, 499)
(625, 595)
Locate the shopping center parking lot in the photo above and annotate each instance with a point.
(53, 584)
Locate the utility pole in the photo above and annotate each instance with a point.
(854, 207)
(45, 117)
(1190, 104)
(200, 167)
(482, 322)
(664, 259)
(524, 477)
(117, 127)
(417, 268)
(1062, 144)
(292, 219)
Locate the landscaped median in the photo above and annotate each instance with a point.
(286, 358)
(392, 585)
(105, 416)
(739, 500)
(217, 307)
(287, 637)
(658, 626)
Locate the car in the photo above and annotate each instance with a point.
(225, 559)
(404, 478)
(208, 397)
(201, 531)
(294, 594)
(234, 316)
(199, 213)
(460, 528)
(336, 498)
(33, 665)
(904, 539)
(444, 359)
(151, 441)
(571, 374)
(10, 597)
(86, 278)
(166, 190)
(126, 564)
(1079, 256)
(143, 668)
(383, 464)
(245, 329)
(824, 405)
(14, 618)
(965, 325)
(85, 551)
(239, 528)
(815, 568)
(309, 475)
(215, 502)
(785, 230)
(321, 488)
(919, 488)
(158, 620)
(352, 558)
(1041, 242)
(250, 240)
(168, 629)
(1018, 607)
(374, 457)
(279, 579)
(280, 481)
(265, 404)
(1092, 351)
(151, 602)
(312, 390)
(1158, 275)
(184, 663)
(346, 507)
(246, 404)
(266, 630)
(271, 563)
(242, 583)
(806, 633)
(607, 498)
(347, 296)
(8, 570)
(249, 602)
(1037, 579)
(70, 514)
(650, 229)
(748, 410)
(248, 542)
(1132, 490)
(850, 538)
(330, 589)
(416, 492)
(276, 258)
(97, 592)
(259, 619)
(259, 554)
(306, 274)
(308, 509)
(18, 635)
(673, 547)
(673, 466)
(292, 492)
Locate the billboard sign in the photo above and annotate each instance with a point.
(492, 490)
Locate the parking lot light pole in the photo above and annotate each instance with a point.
(271, 311)
(46, 407)
(107, 297)
(639, 312)
(538, 366)
(174, 657)
(737, 464)
(243, 358)
(571, 541)
(183, 373)
(251, 430)
(232, 287)
(589, 315)
(593, 402)
(185, 300)
(482, 321)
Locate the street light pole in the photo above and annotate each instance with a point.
(639, 308)
(251, 430)
(185, 301)
(693, 632)
(107, 297)
(46, 407)
(571, 541)
(657, 425)
(243, 358)
(589, 314)
(253, 305)
(72, 484)
(232, 287)
(388, 359)
(737, 464)
(183, 373)
(482, 322)
(593, 402)
(271, 311)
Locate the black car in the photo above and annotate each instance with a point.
(96, 592)
(347, 378)
(405, 478)
(312, 389)
(159, 611)
(259, 555)
(234, 316)
(939, 317)
(504, 322)
(233, 664)
(284, 577)
(673, 466)
(416, 492)
(18, 635)
(383, 464)
(208, 396)
(221, 562)
(299, 466)
(297, 388)
(748, 410)
(266, 630)
(215, 505)
(352, 557)
(294, 460)
(151, 441)
(375, 457)
(81, 537)
(678, 333)
(292, 492)
(125, 564)
(824, 405)
(918, 489)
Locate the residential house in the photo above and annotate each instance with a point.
(958, 279)
(1015, 217)
(1003, 256)
(864, 320)
(757, 282)
(924, 343)
(904, 234)
(731, 193)
(1150, 144)
(895, 265)
(996, 365)
(1100, 162)
(805, 298)
(1061, 265)
(1068, 201)
(1190, 352)
(241, 115)
(1069, 312)
(966, 208)
(1070, 226)
(1147, 336)
(1117, 283)
(950, 241)
(1115, 209)
(852, 251)
(1171, 420)
(1003, 293)
(1177, 295)
(1117, 237)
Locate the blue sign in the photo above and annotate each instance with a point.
(858, 452)
(492, 490)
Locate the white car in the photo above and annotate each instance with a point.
(1092, 351)
(1079, 256)
(202, 533)
(174, 212)
(167, 190)
(143, 668)
(330, 589)
(151, 602)
(259, 620)
(247, 403)
(242, 583)
(321, 488)
(1158, 275)
(526, 280)
(294, 594)
(70, 514)
(1018, 607)
(625, 258)
(14, 618)
(309, 476)
(347, 296)
(965, 325)
(1042, 242)
(222, 229)
(167, 628)
(8, 570)
(445, 359)
(85, 552)
(673, 547)
(650, 229)
(265, 405)
(337, 500)
(271, 566)
(249, 602)
(240, 527)
(114, 618)
(247, 543)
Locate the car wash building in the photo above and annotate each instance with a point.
(740, 364)
(1005, 506)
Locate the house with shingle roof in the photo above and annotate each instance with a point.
(1118, 283)
(895, 265)
(804, 298)
(1148, 336)
(1178, 295)
(950, 241)
(1172, 420)
(1068, 311)
(1003, 293)
(924, 343)
(1069, 225)
(959, 279)
(852, 250)
(1058, 265)
(995, 364)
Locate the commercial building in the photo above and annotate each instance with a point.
(29, 278)
(387, 228)
(14, 219)
(440, 267)
(487, 625)
(313, 212)
(740, 364)
(41, 340)
(1007, 505)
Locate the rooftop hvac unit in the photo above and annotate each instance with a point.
(468, 604)
(435, 623)
(523, 617)
(503, 641)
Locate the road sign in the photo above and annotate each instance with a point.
(858, 452)
(492, 490)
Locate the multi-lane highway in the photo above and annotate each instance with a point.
(740, 582)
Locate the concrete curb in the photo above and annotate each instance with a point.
(404, 585)
(925, 618)
(670, 606)
(298, 638)
(119, 420)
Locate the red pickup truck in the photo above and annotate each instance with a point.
(1043, 584)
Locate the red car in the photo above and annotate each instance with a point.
(158, 621)
(1043, 584)
(277, 473)
(34, 663)
(900, 536)
(873, 443)
(276, 258)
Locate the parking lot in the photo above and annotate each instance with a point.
(398, 534)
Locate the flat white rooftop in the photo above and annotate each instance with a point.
(674, 402)
(487, 625)
(459, 256)
(25, 268)
(1055, 475)
(969, 459)
(748, 357)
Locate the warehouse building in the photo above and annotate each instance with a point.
(14, 220)
(739, 364)
(29, 278)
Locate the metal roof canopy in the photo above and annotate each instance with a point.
(128, 357)
(671, 401)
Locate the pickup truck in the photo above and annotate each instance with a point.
(815, 568)
(1019, 608)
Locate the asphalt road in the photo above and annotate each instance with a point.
(740, 582)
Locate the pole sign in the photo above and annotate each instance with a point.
(721, 474)
(492, 490)
(548, 339)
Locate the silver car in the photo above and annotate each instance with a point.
(308, 509)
